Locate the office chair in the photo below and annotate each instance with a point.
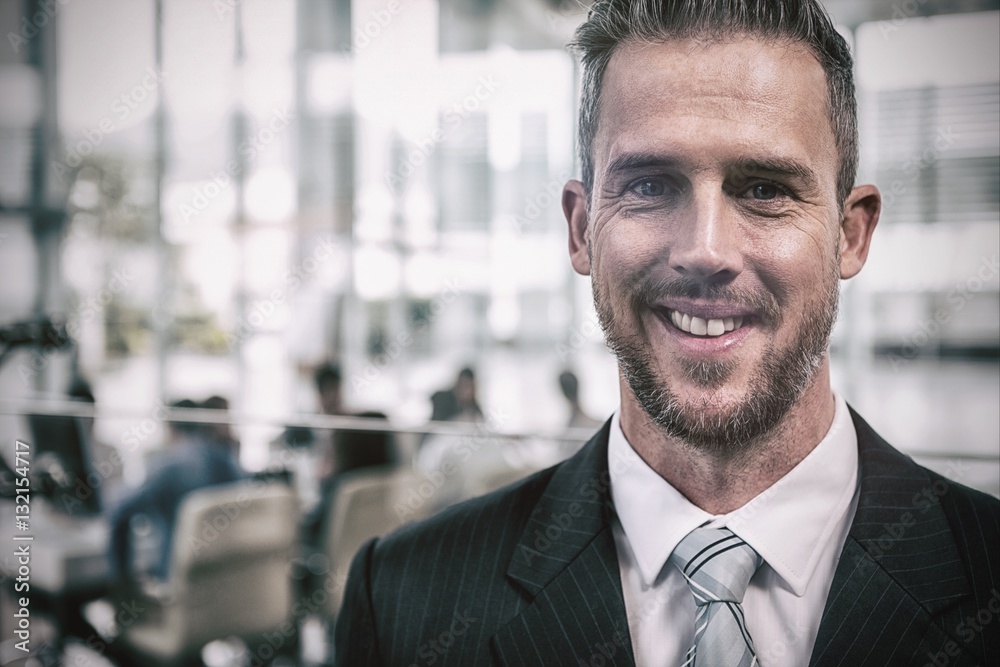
(230, 576)
(367, 503)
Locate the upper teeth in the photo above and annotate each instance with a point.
(702, 327)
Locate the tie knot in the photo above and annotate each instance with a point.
(717, 564)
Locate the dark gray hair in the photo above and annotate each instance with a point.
(612, 22)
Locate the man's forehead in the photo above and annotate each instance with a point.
(750, 68)
(750, 89)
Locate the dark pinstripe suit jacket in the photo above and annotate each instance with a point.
(528, 575)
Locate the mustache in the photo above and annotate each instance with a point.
(647, 292)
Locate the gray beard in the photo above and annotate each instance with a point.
(780, 381)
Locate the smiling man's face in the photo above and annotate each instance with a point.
(713, 231)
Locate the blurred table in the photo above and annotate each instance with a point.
(68, 565)
(68, 554)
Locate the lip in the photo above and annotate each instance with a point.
(707, 345)
(705, 310)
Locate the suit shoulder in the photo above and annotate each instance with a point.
(900, 473)
(970, 511)
(968, 494)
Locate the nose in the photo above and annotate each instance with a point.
(705, 241)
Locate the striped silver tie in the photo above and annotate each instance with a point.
(717, 566)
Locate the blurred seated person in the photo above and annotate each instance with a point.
(458, 403)
(356, 449)
(342, 450)
(467, 456)
(105, 459)
(192, 460)
(570, 386)
(352, 450)
(306, 453)
(221, 432)
(329, 388)
(328, 380)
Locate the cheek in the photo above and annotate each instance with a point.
(623, 252)
(795, 259)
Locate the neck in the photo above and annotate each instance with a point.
(719, 483)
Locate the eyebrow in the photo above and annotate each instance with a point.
(777, 166)
(631, 161)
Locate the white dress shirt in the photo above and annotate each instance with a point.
(798, 526)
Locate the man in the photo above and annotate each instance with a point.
(570, 386)
(459, 403)
(716, 213)
(193, 460)
(220, 434)
(341, 451)
(328, 386)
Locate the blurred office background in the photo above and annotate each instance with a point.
(215, 197)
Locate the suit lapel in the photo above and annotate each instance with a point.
(900, 569)
(566, 564)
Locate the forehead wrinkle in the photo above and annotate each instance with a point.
(741, 70)
(646, 98)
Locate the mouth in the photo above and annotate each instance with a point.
(704, 326)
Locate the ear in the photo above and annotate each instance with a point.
(861, 211)
(574, 204)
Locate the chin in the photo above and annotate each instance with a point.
(721, 428)
(713, 409)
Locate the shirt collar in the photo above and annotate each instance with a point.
(827, 477)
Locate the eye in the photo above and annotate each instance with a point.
(764, 191)
(649, 187)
